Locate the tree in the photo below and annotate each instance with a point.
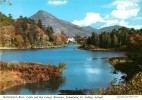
(5, 21)
(19, 41)
(49, 31)
(24, 25)
(123, 35)
(64, 37)
(135, 48)
(89, 40)
(114, 40)
(32, 34)
(39, 24)
(62, 66)
(94, 39)
(10, 16)
(105, 40)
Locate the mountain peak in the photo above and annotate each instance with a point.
(41, 11)
(41, 14)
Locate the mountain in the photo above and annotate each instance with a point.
(69, 29)
(60, 25)
(89, 28)
(107, 29)
(110, 28)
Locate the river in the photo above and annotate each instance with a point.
(85, 69)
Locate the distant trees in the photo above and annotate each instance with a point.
(113, 39)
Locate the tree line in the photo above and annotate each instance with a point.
(114, 39)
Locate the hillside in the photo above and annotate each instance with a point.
(24, 33)
(70, 29)
(58, 25)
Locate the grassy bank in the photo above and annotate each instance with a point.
(13, 74)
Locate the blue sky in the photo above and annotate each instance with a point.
(95, 13)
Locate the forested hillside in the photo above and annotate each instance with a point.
(25, 33)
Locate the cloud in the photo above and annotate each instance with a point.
(123, 23)
(91, 18)
(114, 22)
(57, 2)
(110, 23)
(122, 14)
(125, 9)
(135, 26)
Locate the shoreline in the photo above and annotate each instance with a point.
(102, 49)
(14, 74)
(15, 48)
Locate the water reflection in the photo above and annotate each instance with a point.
(51, 86)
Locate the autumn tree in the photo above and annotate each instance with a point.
(32, 34)
(135, 48)
(19, 41)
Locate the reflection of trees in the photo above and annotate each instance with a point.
(51, 86)
(13, 90)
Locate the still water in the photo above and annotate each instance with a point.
(85, 69)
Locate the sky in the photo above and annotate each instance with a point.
(95, 13)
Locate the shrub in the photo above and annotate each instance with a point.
(62, 66)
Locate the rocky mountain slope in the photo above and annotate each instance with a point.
(69, 29)
(60, 25)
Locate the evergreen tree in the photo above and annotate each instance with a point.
(39, 23)
(49, 31)
(94, 38)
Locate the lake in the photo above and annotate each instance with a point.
(85, 69)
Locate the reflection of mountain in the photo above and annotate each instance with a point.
(50, 86)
